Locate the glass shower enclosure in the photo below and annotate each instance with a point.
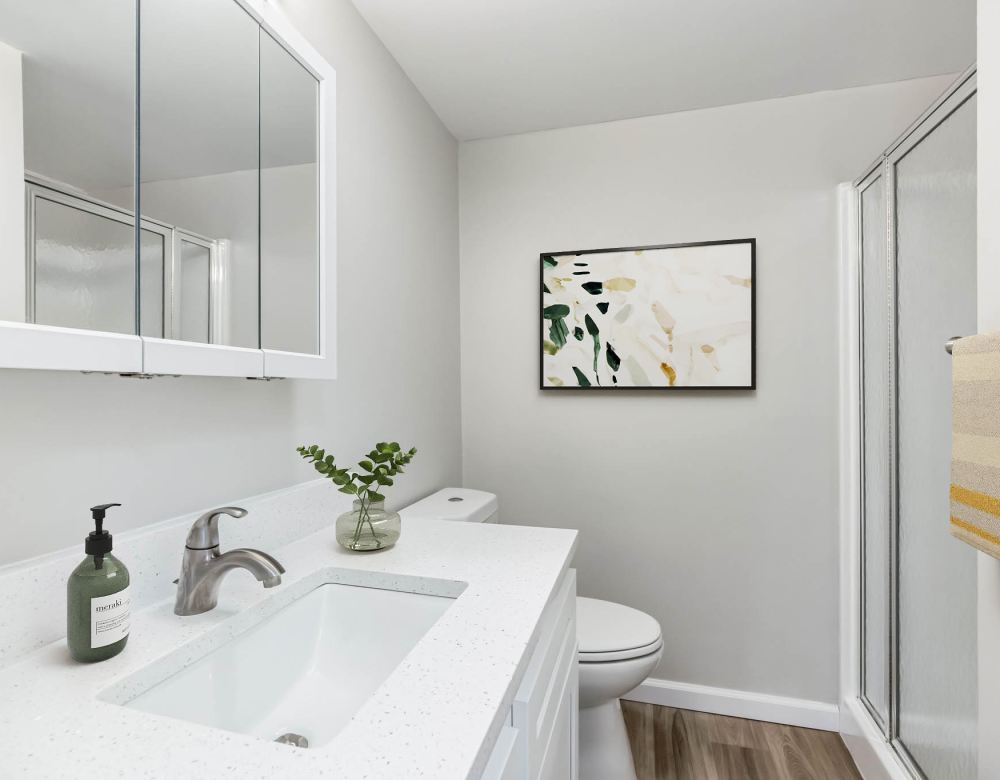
(916, 212)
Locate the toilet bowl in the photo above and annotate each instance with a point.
(618, 648)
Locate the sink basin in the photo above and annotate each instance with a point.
(304, 671)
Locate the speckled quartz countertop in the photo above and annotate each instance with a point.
(437, 716)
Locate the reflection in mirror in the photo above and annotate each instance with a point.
(289, 198)
(192, 280)
(199, 165)
(152, 253)
(66, 139)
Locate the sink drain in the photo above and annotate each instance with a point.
(293, 739)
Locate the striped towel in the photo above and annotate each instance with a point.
(975, 442)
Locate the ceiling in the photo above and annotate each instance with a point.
(495, 67)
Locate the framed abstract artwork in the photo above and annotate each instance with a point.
(669, 317)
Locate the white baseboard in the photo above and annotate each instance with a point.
(739, 704)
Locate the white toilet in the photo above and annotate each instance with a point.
(618, 648)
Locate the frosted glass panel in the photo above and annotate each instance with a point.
(936, 278)
(84, 269)
(193, 288)
(875, 357)
(151, 274)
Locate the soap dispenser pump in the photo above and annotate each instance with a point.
(97, 598)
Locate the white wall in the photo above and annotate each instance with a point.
(988, 75)
(716, 512)
(169, 446)
(11, 185)
(223, 205)
(288, 249)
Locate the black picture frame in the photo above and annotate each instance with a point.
(752, 242)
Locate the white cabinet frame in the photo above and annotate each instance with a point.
(323, 365)
(30, 346)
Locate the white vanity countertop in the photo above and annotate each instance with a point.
(435, 717)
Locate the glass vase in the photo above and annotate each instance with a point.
(368, 527)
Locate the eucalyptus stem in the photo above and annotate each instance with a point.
(365, 515)
(374, 474)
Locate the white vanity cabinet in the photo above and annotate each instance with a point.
(540, 740)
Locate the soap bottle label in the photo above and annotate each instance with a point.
(109, 618)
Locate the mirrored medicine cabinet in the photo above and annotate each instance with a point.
(164, 170)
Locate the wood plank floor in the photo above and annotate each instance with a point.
(669, 744)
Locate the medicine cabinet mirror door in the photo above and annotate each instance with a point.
(226, 122)
(67, 145)
(198, 179)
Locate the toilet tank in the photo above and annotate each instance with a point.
(464, 504)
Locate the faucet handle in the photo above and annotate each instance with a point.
(204, 534)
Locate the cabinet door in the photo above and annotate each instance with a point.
(504, 763)
(545, 707)
(560, 760)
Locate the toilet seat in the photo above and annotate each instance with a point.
(619, 655)
(613, 632)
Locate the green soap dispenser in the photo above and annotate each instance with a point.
(97, 598)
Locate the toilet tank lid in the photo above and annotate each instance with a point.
(471, 506)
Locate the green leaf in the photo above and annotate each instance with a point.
(322, 467)
(385, 482)
(367, 465)
(555, 311)
(319, 454)
(594, 331)
(613, 360)
(338, 478)
(558, 332)
(366, 480)
(329, 459)
(594, 288)
(350, 489)
(548, 261)
(376, 496)
(580, 378)
(394, 446)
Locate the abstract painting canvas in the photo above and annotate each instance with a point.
(668, 317)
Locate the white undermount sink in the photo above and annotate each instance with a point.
(305, 670)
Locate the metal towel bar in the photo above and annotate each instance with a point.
(951, 343)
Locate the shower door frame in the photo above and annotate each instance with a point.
(878, 741)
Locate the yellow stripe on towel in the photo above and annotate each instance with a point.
(975, 442)
(975, 530)
(976, 500)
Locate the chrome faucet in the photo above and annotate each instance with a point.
(203, 566)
